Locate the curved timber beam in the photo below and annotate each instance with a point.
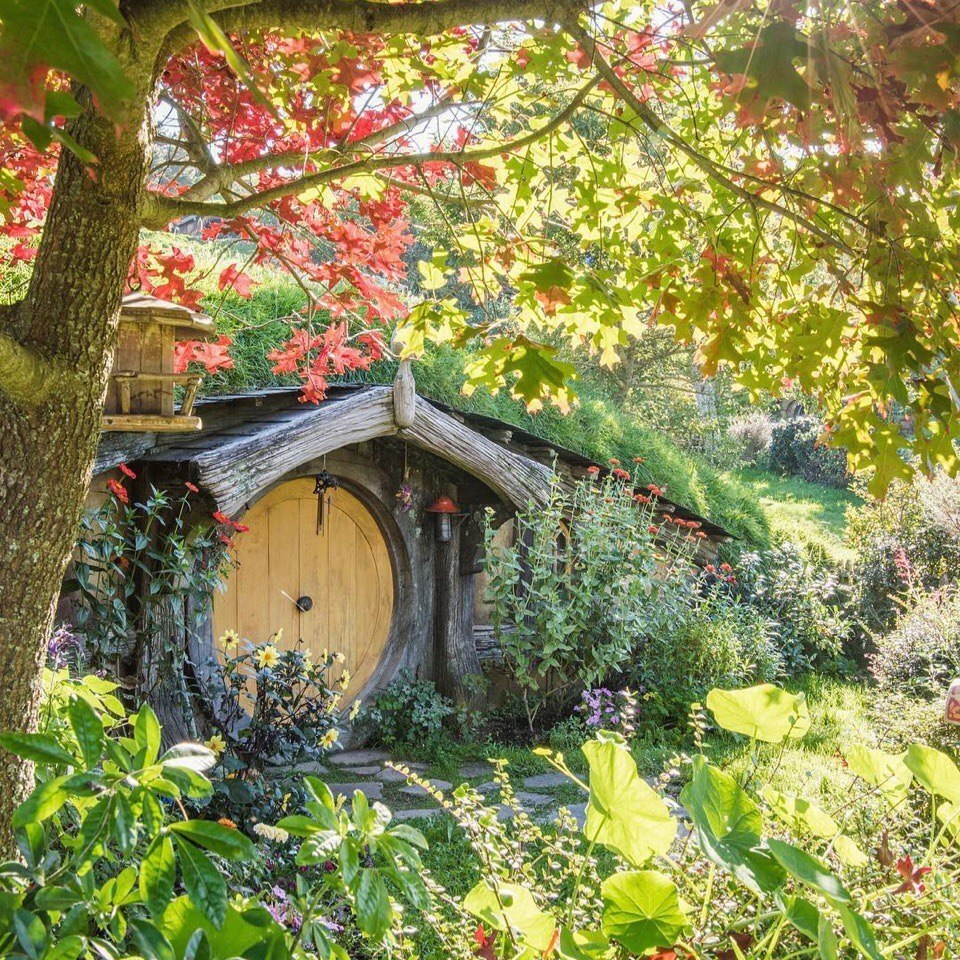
(236, 469)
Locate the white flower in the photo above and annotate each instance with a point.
(277, 834)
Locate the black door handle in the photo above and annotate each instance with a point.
(304, 604)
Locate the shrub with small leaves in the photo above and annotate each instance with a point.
(407, 712)
(797, 449)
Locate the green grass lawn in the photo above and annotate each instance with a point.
(806, 513)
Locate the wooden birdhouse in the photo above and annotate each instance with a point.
(140, 396)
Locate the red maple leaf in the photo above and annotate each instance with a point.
(913, 882)
(241, 283)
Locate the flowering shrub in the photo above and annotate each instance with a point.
(603, 709)
(921, 655)
(590, 575)
(407, 712)
(910, 541)
(274, 708)
(716, 640)
(809, 604)
(140, 565)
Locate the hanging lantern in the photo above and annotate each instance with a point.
(325, 482)
(444, 509)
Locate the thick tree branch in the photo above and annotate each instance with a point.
(704, 163)
(25, 376)
(426, 18)
(161, 210)
(220, 177)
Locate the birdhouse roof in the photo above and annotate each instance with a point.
(190, 324)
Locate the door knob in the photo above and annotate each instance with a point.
(304, 604)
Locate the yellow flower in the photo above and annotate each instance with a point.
(216, 743)
(268, 656)
(354, 710)
(229, 640)
(330, 738)
(345, 679)
(339, 657)
(278, 636)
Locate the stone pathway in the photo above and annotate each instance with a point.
(365, 770)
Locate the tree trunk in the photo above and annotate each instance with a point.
(69, 318)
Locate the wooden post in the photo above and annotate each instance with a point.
(455, 653)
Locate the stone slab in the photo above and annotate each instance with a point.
(546, 781)
(367, 771)
(529, 799)
(358, 758)
(286, 770)
(389, 775)
(416, 813)
(491, 787)
(479, 769)
(371, 789)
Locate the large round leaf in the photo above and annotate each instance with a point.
(764, 712)
(511, 907)
(624, 813)
(641, 910)
(935, 770)
(879, 769)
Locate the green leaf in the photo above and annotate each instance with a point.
(151, 943)
(146, 732)
(223, 841)
(799, 814)
(729, 827)
(38, 747)
(802, 914)
(764, 712)
(203, 881)
(827, 941)
(809, 870)
(158, 871)
(883, 770)
(512, 907)
(374, 913)
(43, 803)
(934, 770)
(860, 933)
(88, 729)
(31, 933)
(243, 934)
(95, 828)
(848, 852)
(641, 910)
(126, 824)
(189, 756)
(38, 34)
(624, 813)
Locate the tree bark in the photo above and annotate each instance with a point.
(69, 318)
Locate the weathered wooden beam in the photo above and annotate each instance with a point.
(237, 470)
(512, 476)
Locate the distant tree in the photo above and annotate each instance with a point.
(775, 180)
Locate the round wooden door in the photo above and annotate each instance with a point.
(344, 570)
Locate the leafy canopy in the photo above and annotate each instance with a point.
(774, 181)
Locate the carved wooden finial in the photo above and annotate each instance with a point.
(404, 394)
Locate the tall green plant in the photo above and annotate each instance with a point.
(587, 578)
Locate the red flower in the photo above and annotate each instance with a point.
(221, 517)
(912, 876)
(726, 568)
(654, 489)
(653, 529)
(127, 472)
(614, 462)
(621, 474)
(593, 471)
(640, 498)
(639, 459)
(710, 568)
(224, 539)
(192, 487)
(240, 527)
(118, 490)
(701, 535)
